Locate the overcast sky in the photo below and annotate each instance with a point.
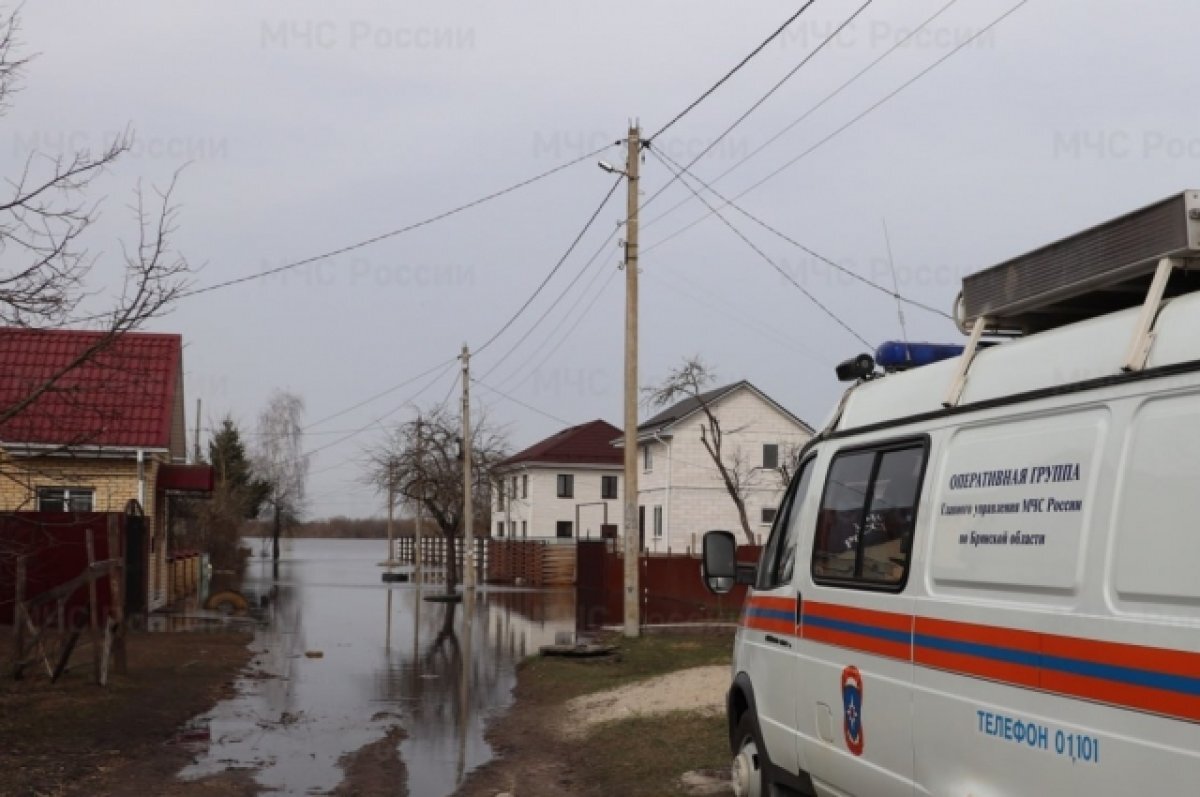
(309, 126)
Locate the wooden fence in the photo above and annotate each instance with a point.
(49, 622)
(531, 563)
(434, 554)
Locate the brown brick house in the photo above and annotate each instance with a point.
(107, 431)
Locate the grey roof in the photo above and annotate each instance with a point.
(684, 408)
(689, 406)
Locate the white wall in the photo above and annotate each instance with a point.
(685, 482)
(543, 509)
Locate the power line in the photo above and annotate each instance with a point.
(394, 233)
(859, 117)
(385, 416)
(811, 110)
(381, 394)
(570, 249)
(733, 71)
(759, 102)
(552, 334)
(570, 332)
(836, 318)
(514, 400)
(895, 294)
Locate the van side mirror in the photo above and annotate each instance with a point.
(719, 565)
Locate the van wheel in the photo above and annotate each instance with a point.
(749, 763)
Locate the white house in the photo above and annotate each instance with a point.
(567, 486)
(681, 493)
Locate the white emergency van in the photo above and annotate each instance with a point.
(984, 579)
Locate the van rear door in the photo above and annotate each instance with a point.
(856, 671)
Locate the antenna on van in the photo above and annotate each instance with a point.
(896, 292)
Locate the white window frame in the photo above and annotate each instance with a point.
(67, 497)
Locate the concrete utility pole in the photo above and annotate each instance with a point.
(633, 624)
(196, 447)
(468, 580)
(390, 562)
(420, 503)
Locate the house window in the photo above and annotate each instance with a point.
(658, 526)
(768, 515)
(512, 528)
(563, 529)
(65, 499)
(525, 485)
(524, 528)
(500, 495)
(566, 485)
(608, 487)
(868, 513)
(500, 528)
(770, 458)
(513, 494)
(647, 459)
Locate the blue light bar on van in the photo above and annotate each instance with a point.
(897, 355)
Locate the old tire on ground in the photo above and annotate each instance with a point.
(750, 761)
(227, 602)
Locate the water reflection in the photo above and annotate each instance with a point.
(386, 657)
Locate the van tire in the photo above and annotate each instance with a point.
(750, 762)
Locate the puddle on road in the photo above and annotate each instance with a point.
(387, 658)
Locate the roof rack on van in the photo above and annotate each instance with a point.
(1106, 268)
(1124, 262)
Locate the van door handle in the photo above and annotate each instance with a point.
(783, 643)
(799, 609)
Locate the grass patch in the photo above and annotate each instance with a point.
(554, 680)
(645, 756)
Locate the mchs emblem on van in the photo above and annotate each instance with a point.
(852, 705)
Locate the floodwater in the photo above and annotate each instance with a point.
(353, 657)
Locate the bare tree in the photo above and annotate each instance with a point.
(280, 461)
(692, 380)
(45, 213)
(421, 460)
(789, 461)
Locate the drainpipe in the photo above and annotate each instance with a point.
(141, 477)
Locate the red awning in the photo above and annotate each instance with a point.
(186, 478)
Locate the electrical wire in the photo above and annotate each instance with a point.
(570, 249)
(895, 294)
(811, 110)
(397, 232)
(859, 117)
(380, 394)
(578, 320)
(515, 400)
(552, 335)
(759, 102)
(734, 71)
(385, 416)
(836, 318)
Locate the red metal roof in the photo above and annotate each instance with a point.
(123, 396)
(586, 444)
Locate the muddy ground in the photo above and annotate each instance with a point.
(540, 752)
(74, 737)
(131, 738)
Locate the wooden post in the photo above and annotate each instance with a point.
(116, 550)
(18, 609)
(93, 618)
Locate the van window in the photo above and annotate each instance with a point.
(865, 526)
(780, 554)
